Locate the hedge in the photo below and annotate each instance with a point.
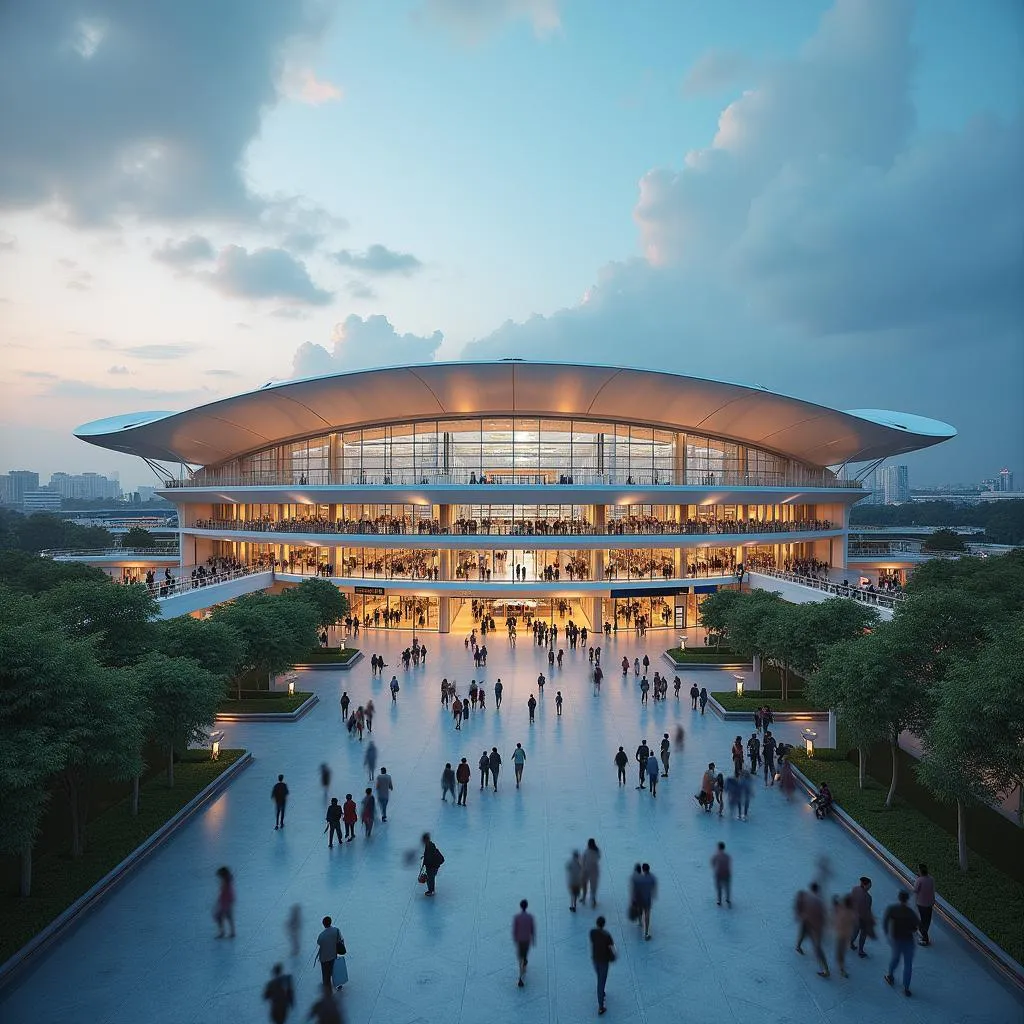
(262, 702)
(705, 656)
(330, 656)
(753, 699)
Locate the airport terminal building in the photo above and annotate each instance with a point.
(429, 492)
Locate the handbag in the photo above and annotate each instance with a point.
(340, 948)
(422, 879)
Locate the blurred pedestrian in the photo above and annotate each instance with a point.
(844, 921)
(574, 879)
(591, 861)
(368, 812)
(325, 779)
(860, 894)
(370, 760)
(224, 908)
(280, 994)
(326, 1010)
(524, 935)
(293, 927)
(447, 782)
(721, 868)
(646, 888)
(810, 912)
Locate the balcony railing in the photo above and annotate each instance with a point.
(163, 587)
(59, 553)
(541, 478)
(882, 599)
(485, 528)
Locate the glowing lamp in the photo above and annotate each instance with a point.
(291, 687)
(809, 736)
(739, 685)
(215, 738)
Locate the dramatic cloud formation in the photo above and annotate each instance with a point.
(358, 343)
(379, 259)
(144, 109)
(302, 85)
(186, 253)
(265, 274)
(474, 20)
(818, 230)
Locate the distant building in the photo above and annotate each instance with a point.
(896, 485)
(1001, 496)
(1005, 480)
(15, 484)
(86, 486)
(146, 493)
(41, 500)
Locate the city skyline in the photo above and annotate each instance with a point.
(767, 200)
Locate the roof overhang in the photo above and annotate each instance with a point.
(290, 410)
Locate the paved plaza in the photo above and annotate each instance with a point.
(148, 954)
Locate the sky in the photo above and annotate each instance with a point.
(819, 198)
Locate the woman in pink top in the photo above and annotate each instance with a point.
(924, 897)
(224, 908)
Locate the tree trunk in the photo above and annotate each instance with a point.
(961, 834)
(25, 886)
(894, 748)
(860, 767)
(170, 764)
(135, 796)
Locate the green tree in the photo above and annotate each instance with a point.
(119, 617)
(28, 573)
(211, 643)
(137, 538)
(821, 624)
(43, 531)
(944, 540)
(715, 610)
(974, 742)
(330, 603)
(182, 698)
(276, 633)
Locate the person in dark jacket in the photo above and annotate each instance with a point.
(462, 777)
(280, 994)
(432, 861)
(334, 821)
(494, 760)
(900, 923)
(602, 953)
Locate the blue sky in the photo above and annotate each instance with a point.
(817, 197)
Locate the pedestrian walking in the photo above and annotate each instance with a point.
(532, 705)
(591, 861)
(900, 923)
(325, 779)
(368, 812)
(370, 760)
(394, 689)
(558, 703)
(746, 789)
(518, 761)
(653, 771)
(737, 756)
(754, 751)
(330, 948)
(602, 955)
(861, 896)
(484, 764)
(694, 694)
(703, 698)
(431, 863)
(497, 694)
(642, 753)
(787, 781)
(495, 763)
(524, 935)
(279, 794)
(721, 868)
(333, 820)
(293, 928)
(621, 760)
(350, 815)
(810, 912)
(457, 712)
(383, 787)
(768, 748)
(224, 908)
(280, 994)
(574, 879)
(645, 687)
(345, 702)
(718, 789)
(645, 889)
(462, 776)
(844, 922)
(924, 899)
(447, 782)
(666, 754)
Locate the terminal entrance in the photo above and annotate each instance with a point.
(524, 610)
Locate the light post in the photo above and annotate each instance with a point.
(215, 738)
(809, 736)
(739, 685)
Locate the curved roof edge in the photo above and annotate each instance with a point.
(290, 410)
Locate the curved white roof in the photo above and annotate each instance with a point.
(290, 410)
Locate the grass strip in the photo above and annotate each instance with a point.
(330, 656)
(986, 896)
(273, 703)
(704, 656)
(58, 880)
(758, 698)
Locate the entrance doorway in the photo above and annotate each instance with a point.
(523, 609)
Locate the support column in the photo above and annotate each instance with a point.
(333, 459)
(444, 555)
(597, 554)
(444, 624)
(679, 461)
(336, 560)
(596, 613)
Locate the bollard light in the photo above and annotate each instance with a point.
(291, 687)
(215, 738)
(739, 685)
(809, 736)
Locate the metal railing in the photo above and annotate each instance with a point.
(543, 478)
(163, 588)
(881, 599)
(59, 553)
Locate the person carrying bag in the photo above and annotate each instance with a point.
(331, 952)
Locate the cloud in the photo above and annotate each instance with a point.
(302, 85)
(472, 21)
(265, 274)
(717, 70)
(818, 229)
(290, 313)
(8, 243)
(118, 370)
(117, 396)
(222, 373)
(141, 109)
(174, 350)
(298, 225)
(39, 375)
(359, 343)
(186, 253)
(378, 259)
(360, 290)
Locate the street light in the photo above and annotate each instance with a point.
(739, 685)
(809, 736)
(215, 738)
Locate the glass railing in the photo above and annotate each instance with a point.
(160, 552)
(499, 478)
(868, 595)
(409, 528)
